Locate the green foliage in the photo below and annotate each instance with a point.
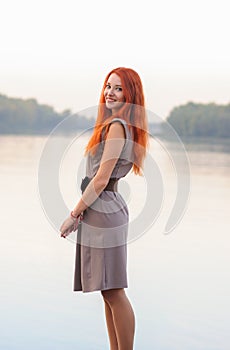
(19, 116)
(201, 120)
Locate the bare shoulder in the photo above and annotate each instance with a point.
(116, 130)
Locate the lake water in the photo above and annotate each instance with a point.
(179, 283)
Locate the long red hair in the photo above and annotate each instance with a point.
(132, 111)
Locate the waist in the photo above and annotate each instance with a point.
(111, 186)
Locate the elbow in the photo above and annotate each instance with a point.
(100, 183)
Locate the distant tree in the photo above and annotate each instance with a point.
(18, 116)
(196, 119)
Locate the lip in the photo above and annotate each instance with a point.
(110, 99)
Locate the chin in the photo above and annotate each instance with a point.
(109, 105)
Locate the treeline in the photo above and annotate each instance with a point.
(200, 120)
(18, 116)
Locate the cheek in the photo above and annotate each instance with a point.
(121, 97)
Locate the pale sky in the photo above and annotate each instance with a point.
(59, 52)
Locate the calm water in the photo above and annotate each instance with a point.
(179, 283)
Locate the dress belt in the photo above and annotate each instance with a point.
(111, 186)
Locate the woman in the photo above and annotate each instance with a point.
(117, 145)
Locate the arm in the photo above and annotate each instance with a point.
(113, 147)
(112, 150)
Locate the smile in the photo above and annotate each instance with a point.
(110, 100)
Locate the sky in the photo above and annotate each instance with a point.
(59, 52)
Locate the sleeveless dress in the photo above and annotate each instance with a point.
(101, 248)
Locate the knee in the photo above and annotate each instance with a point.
(112, 296)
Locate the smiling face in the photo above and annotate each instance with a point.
(114, 97)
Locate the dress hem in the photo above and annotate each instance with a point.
(99, 289)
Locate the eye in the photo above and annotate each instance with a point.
(107, 86)
(119, 89)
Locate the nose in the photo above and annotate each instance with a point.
(110, 92)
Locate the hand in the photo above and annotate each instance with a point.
(69, 225)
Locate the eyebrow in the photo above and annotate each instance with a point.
(110, 84)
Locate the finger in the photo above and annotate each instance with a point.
(63, 230)
(75, 225)
(63, 227)
(69, 230)
(64, 234)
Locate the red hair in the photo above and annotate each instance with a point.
(133, 112)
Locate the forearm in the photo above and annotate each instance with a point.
(91, 193)
(112, 150)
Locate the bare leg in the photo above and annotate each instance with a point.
(110, 327)
(122, 316)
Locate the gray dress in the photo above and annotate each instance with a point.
(101, 249)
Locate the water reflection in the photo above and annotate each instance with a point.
(179, 285)
(207, 144)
